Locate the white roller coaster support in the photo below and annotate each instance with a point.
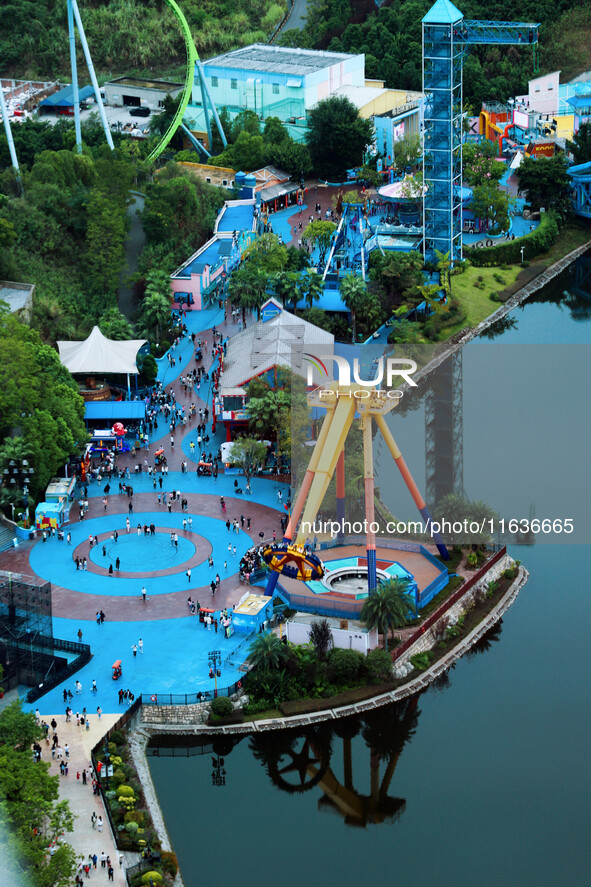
(9, 139)
(93, 79)
(205, 87)
(333, 247)
(74, 67)
(362, 246)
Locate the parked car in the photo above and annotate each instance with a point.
(139, 112)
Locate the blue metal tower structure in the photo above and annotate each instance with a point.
(447, 37)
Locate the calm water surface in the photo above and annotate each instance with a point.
(484, 780)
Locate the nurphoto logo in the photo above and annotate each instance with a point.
(386, 370)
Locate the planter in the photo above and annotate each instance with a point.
(22, 533)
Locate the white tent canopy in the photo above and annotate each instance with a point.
(97, 354)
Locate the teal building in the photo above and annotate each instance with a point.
(274, 81)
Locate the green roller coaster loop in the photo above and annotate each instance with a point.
(192, 57)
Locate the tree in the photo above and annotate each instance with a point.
(354, 294)
(155, 315)
(247, 288)
(267, 414)
(267, 653)
(337, 137)
(319, 233)
(388, 607)
(105, 239)
(267, 253)
(29, 805)
(286, 287)
(580, 147)
(480, 164)
(545, 182)
(407, 150)
(114, 325)
(311, 287)
(249, 454)
(321, 637)
(492, 205)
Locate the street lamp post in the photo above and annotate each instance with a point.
(17, 475)
(522, 252)
(215, 661)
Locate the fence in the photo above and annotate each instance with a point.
(187, 698)
(446, 605)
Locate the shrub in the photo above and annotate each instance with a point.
(125, 791)
(538, 241)
(131, 828)
(117, 737)
(118, 776)
(135, 816)
(155, 876)
(170, 863)
(222, 707)
(112, 749)
(344, 666)
(421, 661)
(378, 666)
(255, 708)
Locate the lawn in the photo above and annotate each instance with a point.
(473, 291)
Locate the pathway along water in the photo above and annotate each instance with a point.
(485, 780)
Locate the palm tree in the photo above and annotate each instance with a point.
(388, 606)
(353, 291)
(285, 284)
(267, 414)
(267, 653)
(311, 287)
(321, 637)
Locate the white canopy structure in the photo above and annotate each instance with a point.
(97, 354)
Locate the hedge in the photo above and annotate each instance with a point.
(509, 252)
(349, 697)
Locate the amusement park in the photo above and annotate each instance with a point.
(267, 488)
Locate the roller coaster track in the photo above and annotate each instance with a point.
(192, 57)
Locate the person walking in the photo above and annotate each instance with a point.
(189, 574)
(99, 824)
(134, 650)
(127, 524)
(93, 818)
(144, 593)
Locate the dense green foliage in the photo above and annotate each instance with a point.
(69, 229)
(30, 810)
(580, 147)
(126, 35)
(251, 146)
(545, 183)
(337, 137)
(178, 217)
(391, 40)
(41, 412)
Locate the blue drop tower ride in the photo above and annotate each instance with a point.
(447, 37)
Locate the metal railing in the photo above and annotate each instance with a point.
(187, 698)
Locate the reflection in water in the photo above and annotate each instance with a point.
(298, 762)
(323, 757)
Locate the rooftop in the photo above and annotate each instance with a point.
(145, 83)
(281, 341)
(16, 295)
(278, 59)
